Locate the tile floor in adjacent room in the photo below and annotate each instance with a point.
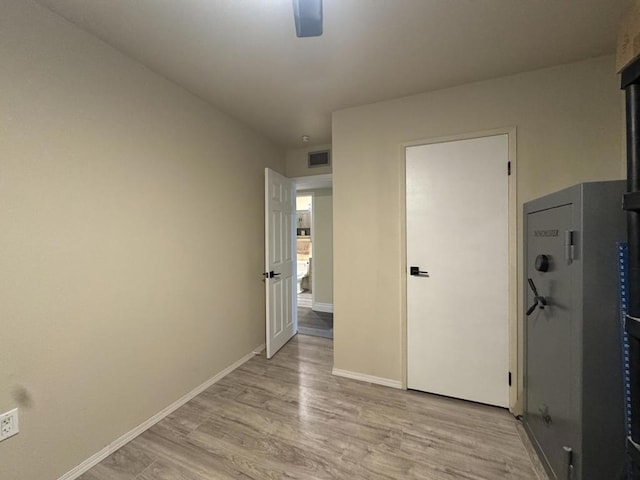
(311, 322)
(317, 324)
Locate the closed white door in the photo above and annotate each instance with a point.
(457, 231)
(280, 267)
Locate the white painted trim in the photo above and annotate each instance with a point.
(314, 260)
(322, 307)
(311, 194)
(97, 457)
(313, 182)
(386, 382)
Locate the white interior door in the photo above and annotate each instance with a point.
(457, 231)
(280, 266)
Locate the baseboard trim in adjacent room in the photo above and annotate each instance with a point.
(386, 382)
(322, 307)
(97, 457)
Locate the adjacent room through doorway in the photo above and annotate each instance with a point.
(310, 321)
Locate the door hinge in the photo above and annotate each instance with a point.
(508, 168)
(568, 461)
(569, 246)
(509, 378)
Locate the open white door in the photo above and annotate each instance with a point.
(280, 264)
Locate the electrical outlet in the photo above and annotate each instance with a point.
(9, 424)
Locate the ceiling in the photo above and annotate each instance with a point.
(243, 55)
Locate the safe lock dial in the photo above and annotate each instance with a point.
(542, 263)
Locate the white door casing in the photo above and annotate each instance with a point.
(457, 231)
(280, 264)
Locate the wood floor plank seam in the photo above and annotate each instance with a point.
(290, 418)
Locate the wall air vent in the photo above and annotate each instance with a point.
(319, 159)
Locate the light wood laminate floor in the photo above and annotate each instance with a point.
(289, 418)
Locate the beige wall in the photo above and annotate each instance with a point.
(296, 162)
(323, 245)
(131, 241)
(569, 123)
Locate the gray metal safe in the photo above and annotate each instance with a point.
(573, 393)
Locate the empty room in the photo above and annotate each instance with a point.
(319, 239)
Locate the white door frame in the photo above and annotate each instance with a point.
(324, 182)
(312, 194)
(515, 333)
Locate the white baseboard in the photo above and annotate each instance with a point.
(322, 307)
(97, 457)
(387, 382)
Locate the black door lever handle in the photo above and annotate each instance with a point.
(416, 272)
(270, 274)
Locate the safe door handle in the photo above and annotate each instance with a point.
(538, 300)
(271, 274)
(416, 272)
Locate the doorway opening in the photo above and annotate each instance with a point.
(304, 250)
(311, 319)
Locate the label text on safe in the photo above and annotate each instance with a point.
(545, 233)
